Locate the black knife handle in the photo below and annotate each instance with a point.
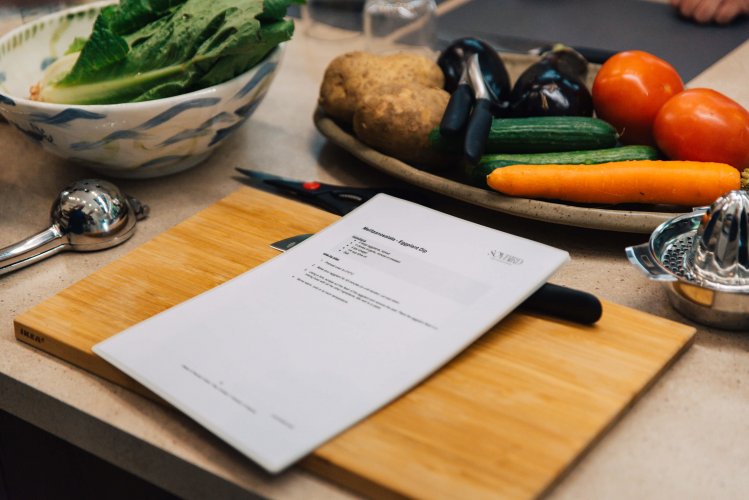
(458, 108)
(591, 54)
(565, 303)
(596, 56)
(477, 131)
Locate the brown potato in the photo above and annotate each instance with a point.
(396, 119)
(352, 76)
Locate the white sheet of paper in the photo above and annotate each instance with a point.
(280, 359)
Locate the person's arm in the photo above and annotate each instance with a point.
(705, 11)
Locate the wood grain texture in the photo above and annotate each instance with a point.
(506, 418)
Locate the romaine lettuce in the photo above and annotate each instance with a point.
(149, 49)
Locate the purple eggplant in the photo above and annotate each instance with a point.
(553, 86)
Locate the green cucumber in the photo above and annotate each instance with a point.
(476, 174)
(537, 135)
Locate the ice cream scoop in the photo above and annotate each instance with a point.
(87, 215)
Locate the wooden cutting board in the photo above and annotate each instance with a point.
(506, 418)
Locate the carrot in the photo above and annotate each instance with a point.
(689, 183)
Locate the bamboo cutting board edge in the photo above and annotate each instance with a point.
(34, 329)
(326, 464)
(253, 219)
(619, 416)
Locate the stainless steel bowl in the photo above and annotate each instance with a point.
(703, 260)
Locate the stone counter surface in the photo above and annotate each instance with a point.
(686, 438)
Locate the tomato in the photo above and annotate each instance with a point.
(704, 125)
(628, 91)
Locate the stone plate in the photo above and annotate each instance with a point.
(610, 218)
(605, 218)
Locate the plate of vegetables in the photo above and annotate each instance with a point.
(567, 142)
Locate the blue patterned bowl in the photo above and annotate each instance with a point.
(133, 140)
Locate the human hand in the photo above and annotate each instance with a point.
(705, 11)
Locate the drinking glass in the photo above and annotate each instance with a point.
(333, 19)
(390, 24)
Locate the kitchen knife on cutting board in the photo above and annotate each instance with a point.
(551, 300)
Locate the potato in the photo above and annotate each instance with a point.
(396, 119)
(352, 76)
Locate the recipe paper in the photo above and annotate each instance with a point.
(285, 356)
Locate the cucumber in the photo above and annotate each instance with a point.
(476, 174)
(537, 135)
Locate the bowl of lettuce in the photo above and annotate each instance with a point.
(141, 88)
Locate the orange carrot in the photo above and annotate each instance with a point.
(689, 183)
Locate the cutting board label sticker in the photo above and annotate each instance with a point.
(31, 336)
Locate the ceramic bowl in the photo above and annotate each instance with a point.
(131, 140)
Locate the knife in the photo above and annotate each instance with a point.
(550, 300)
(522, 45)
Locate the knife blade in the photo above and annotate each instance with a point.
(289, 243)
(522, 45)
(550, 300)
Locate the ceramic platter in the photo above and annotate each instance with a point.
(603, 217)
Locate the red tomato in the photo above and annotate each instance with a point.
(628, 91)
(704, 125)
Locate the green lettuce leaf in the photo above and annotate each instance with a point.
(149, 49)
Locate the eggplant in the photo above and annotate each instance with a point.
(553, 86)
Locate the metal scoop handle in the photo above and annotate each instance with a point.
(33, 249)
(87, 215)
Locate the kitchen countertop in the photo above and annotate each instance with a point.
(684, 438)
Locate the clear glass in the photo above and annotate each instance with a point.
(333, 19)
(391, 24)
